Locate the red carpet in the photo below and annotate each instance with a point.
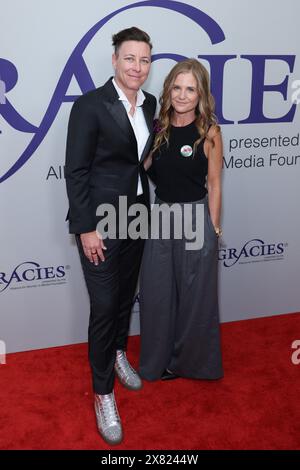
(46, 398)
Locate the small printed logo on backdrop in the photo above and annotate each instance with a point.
(30, 274)
(255, 250)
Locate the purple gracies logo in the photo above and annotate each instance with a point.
(77, 69)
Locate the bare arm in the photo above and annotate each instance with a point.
(214, 183)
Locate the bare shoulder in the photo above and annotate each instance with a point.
(213, 144)
(214, 133)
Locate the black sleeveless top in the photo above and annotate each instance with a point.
(179, 175)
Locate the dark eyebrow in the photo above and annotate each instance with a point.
(133, 55)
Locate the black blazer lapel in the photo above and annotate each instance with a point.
(118, 112)
(148, 113)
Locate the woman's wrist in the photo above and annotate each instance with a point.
(218, 231)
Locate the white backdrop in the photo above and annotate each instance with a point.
(43, 299)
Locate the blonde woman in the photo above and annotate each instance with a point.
(178, 289)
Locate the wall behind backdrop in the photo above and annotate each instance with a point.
(52, 52)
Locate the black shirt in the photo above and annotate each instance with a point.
(180, 175)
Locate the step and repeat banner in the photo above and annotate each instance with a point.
(51, 53)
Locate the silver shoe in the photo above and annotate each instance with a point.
(126, 373)
(108, 419)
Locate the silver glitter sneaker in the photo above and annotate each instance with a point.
(126, 374)
(108, 419)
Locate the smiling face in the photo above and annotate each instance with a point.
(184, 94)
(132, 65)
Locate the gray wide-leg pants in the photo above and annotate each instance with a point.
(179, 306)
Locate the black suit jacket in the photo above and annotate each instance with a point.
(102, 157)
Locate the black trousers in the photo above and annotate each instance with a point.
(111, 286)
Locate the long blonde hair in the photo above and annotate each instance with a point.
(205, 116)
